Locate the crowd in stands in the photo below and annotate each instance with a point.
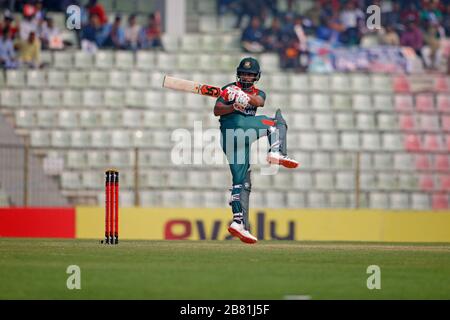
(21, 40)
(419, 24)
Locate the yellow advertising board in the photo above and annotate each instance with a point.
(271, 224)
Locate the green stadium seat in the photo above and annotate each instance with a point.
(10, 98)
(72, 98)
(145, 60)
(56, 79)
(83, 60)
(317, 200)
(191, 42)
(97, 158)
(342, 102)
(340, 82)
(39, 138)
(383, 102)
(208, 23)
(320, 101)
(382, 161)
(15, 78)
(110, 119)
(134, 98)
(153, 99)
(171, 43)
(319, 82)
(101, 139)
(399, 201)
(298, 82)
(45, 118)
(60, 138)
(76, 159)
(344, 121)
(63, 60)
(114, 98)
(93, 98)
(378, 200)
(120, 138)
(360, 83)
(77, 79)
(299, 101)
(370, 141)
(381, 83)
(350, 141)
(210, 42)
(25, 118)
(139, 80)
(36, 78)
(328, 141)
(362, 102)
(339, 200)
(70, 180)
(124, 60)
(279, 81)
(67, 119)
(118, 78)
(91, 180)
(324, 181)
(187, 62)
(104, 59)
(30, 98)
(89, 119)
(98, 79)
(270, 61)
(166, 61)
(367, 181)
(80, 139)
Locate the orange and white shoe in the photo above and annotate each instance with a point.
(285, 161)
(238, 230)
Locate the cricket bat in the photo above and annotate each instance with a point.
(191, 86)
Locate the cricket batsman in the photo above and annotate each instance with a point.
(237, 108)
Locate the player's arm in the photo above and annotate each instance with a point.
(221, 108)
(256, 100)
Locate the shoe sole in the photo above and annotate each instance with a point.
(235, 233)
(284, 163)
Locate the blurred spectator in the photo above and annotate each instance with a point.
(412, 37)
(314, 14)
(150, 35)
(302, 44)
(40, 12)
(95, 8)
(390, 37)
(30, 51)
(8, 27)
(28, 24)
(116, 37)
(273, 36)
(252, 37)
(94, 34)
(430, 12)
(431, 52)
(350, 17)
(50, 35)
(410, 13)
(8, 57)
(132, 33)
(392, 18)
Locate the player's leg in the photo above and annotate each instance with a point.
(245, 199)
(276, 131)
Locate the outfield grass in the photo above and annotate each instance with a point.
(36, 269)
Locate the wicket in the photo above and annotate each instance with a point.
(111, 207)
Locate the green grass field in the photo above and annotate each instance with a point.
(36, 269)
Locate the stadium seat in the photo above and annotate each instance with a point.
(15, 78)
(25, 118)
(171, 42)
(424, 103)
(134, 98)
(92, 98)
(36, 78)
(350, 141)
(302, 180)
(295, 200)
(344, 121)
(386, 121)
(124, 60)
(443, 103)
(208, 62)
(114, 98)
(270, 61)
(412, 142)
(161, 139)
(407, 122)
(118, 78)
(301, 121)
(408, 182)
(426, 182)
(299, 101)
(445, 123)
(63, 60)
(365, 121)
(361, 102)
(275, 199)
(317, 200)
(187, 62)
(440, 201)
(139, 80)
(403, 161)
(120, 138)
(279, 81)
(153, 119)
(367, 181)
(98, 79)
(432, 142)
(329, 141)
(382, 161)
(131, 118)
(97, 159)
(319, 82)
(191, 42)
(339, 82)
(320, 160)
(110, 119)
(308, 141)
(342, 102)
(45, 118)
(387, 181)
(30, 98)
(392, 141)
(76, 160)
(399, 201)
(77, 79)
(100, 138)
(370, 141)
(51, 98)
(214, 199)
(173, 99)
(70, 180)
(104, 59)
(80, 138)
(91, 180)
(401, 84)
(323, 121)
(441, 162)
(83, 60)
(378, 200)
(298, 82)
(151, 198)
(141, 138)
(60, 138)
(324, 181)
(444, 182)
(277, 100)
(345, 181)
(192, 199)
(56, 79)
(441, 84)
(10, 98)
(403, 102)
(422, 162)
(343, 160)
(420, 201)
(320, 101)
(360, 83)
(145, 60)
(382, 102)
(177, 179)
(338, 200)
(381, 83)
(429, 122)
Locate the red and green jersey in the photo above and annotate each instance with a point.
(249, 110)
